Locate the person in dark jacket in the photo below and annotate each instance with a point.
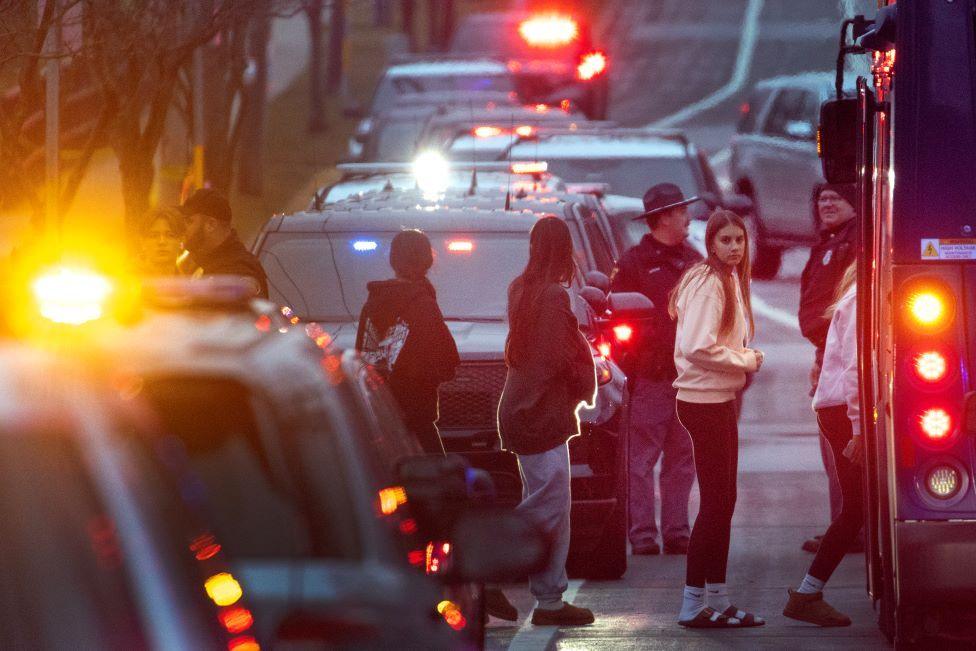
(214, 245)
(403, 334)
(653, 268)
(833, 212)
(550, 374)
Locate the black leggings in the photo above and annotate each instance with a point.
(835, 426)
(715, 435)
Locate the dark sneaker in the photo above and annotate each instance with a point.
(568, 615)
(812, 545)
(647, 549)
(812, 608)
(498, 605)
(676, 547)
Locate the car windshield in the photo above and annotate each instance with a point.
(323, 277)
(392, 87)
(627, 176)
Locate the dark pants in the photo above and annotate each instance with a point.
(715, 436)
(836, 428)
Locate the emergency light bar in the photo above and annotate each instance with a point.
(380, 168)
(551, 30)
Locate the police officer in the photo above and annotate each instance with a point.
(215, 245)
(833, 212)
(653, 268)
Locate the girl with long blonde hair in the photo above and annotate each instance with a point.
(713, 307)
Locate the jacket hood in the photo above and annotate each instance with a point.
(389, 299)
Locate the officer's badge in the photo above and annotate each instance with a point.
(827, 256)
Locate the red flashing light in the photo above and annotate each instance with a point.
(408, 526)
(205, 547)
(936, 424)
(237, 619)
(549, 30)
(623, 332)
(525, 131)
(541, 108)
(486, 131)
(460, 246)
(591, 65)
(566, 106)
(416, 557)
(604, 349)
(263, 323)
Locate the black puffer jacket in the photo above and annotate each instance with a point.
(829, 258)
(537, 411)
(403, 334)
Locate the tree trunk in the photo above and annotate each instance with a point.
(316, 104)
(337, 38)
(251, 159)
(137, 178)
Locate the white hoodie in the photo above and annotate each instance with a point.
(838, 374)
(711, 368)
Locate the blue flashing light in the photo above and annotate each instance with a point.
(365, 245)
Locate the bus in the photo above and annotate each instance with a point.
(908, 139)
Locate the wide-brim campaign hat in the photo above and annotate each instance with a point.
(663, 197)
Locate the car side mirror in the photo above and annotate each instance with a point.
(495, 546)
(599, 280)
(837, 140)
(595, 298)
(800, 130)
(630, 306)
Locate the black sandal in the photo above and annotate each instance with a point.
(747, 619)
(711, 618)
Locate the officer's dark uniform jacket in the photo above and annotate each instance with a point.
(829, 258)
(653, 269)
(233, 258)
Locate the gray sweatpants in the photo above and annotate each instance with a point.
(546, 502)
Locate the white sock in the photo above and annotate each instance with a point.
(717, 596)
(692, 603)
(811, 585)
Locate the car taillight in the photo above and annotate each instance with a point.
(525, 131)
(623, 332)
(591, 65)
(486, 131)
(438, 556)
(935, 423)
(550, 30)
(452, 614)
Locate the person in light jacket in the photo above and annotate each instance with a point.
(837, 404)
(712, 306)
(550, 375)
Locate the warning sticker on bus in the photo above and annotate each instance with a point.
(952, 249)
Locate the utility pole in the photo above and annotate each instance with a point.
(52, 120)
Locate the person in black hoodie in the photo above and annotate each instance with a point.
(550, 374)
(833, 214)
(403, 334)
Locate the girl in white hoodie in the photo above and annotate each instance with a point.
(714, 312)
(838, 413)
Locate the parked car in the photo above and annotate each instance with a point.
(320, 262)
(552, 56)
(94, 553)
(774, 161)
(298, 464)
(434, 75)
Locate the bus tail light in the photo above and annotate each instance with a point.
(943, 482)
(929, 309)
(936, 424)
(931, 366)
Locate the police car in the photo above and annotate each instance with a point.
(459, 74)
(551, 55)
(319, 264)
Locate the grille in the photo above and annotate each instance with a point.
(470, 400)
